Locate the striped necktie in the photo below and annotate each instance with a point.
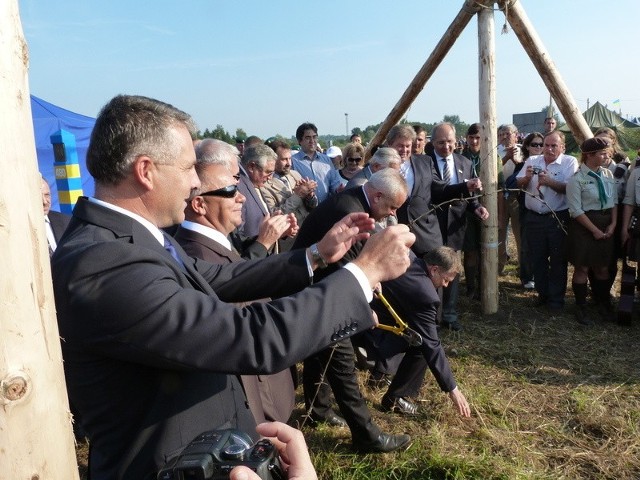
(446, 174)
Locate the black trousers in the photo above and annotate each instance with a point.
(410, 375)
(548, 254)
(341, 377)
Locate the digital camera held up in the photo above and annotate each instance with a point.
(213, 454)
(536, 170)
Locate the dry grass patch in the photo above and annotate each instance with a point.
(550, 398)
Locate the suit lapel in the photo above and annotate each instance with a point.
(254, 194)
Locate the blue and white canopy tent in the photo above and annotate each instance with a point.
(49, 119)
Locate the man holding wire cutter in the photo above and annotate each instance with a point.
(413, 298)
(380, 197)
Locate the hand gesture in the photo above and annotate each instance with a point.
(385, 256)
(351, 229)
(460, 402)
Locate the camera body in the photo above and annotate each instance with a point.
(536, 170)
(213, 454)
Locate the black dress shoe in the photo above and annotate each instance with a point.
(398, 405)
(385, 442)
(333, 420)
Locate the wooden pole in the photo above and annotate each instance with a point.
(36, 437)
(541, 59)
(415, 87)
(489, 165)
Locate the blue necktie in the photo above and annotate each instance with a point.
(168, 246)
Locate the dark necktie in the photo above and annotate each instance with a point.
(168, 246)
(446, 174)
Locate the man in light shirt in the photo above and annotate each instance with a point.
(544, 178)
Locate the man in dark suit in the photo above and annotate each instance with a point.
(383, 158)
(150, 347)
(55, 222)
(210, 217)
(452, 168)
(414, 298)
(425, 189)
(379, 197)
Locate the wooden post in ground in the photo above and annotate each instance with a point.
(469, 9)
(488, 155)
(36, 437)
(517, 18)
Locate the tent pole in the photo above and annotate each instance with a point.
(37, 438)
(546, 69)
(489, 165)
(469, 9)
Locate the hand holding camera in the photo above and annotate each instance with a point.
(213, 454)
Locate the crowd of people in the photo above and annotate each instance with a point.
(199, 275)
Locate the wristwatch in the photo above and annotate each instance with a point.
(316, 257)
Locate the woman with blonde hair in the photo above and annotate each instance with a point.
(353, 161)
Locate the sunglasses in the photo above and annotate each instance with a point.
(354, 160)
(535, 145)
(225, 192)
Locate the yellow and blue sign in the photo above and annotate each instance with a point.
(66, 169)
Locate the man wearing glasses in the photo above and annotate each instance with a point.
(210, 217)
(544, 179)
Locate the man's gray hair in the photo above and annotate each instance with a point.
(389, 182)
(402, 130)
(444, 257)
(212, 151)
(386, 156)
(510, 127)
(258, 154)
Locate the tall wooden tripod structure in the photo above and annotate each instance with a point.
(517, 18)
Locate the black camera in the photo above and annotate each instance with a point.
(213, 454)
(536, 170)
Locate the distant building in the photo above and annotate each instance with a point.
(529, 122)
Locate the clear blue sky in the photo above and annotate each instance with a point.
(267, 66)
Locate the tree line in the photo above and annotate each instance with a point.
(326, 140)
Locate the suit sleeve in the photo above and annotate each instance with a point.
(155, 319)
(274, 198)
(415, 299)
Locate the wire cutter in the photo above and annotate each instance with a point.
(401, 328)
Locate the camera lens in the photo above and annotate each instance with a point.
(234, 452)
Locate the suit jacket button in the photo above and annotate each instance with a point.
(334, 337)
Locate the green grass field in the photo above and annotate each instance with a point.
(551, 399)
